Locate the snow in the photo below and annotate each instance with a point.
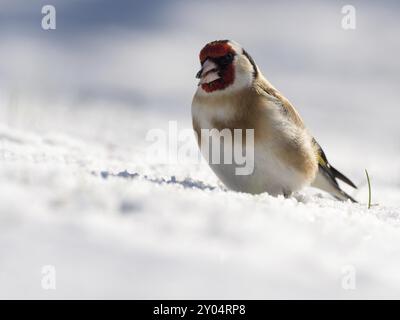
(114, 226)
(79, 192)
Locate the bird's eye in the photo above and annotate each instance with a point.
(226, 59)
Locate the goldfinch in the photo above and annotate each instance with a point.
(233, 94)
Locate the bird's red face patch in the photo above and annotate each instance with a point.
(215, 51)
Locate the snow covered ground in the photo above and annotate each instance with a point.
(78, 192)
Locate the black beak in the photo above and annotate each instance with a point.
(198, 75)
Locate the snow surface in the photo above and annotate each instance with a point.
(79, 192)
(115, 226)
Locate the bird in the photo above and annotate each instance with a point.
(233, 94)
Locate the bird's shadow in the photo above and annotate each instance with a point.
(187, 183)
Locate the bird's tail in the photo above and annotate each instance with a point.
(326, 178)
(326, 181)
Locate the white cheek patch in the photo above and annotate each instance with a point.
(212, 76)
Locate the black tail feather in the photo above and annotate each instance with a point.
(342, 177)
(347, 196)
(330, 176)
